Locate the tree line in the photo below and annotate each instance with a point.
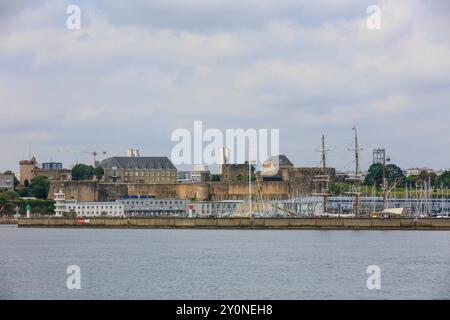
(396, 174)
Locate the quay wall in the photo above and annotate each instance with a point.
(8, 221)
(243, 223)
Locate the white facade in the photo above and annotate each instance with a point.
(198, 171)
(87, 209)
(97, 209)
(416, 171)
(154, 207)
(60, 203)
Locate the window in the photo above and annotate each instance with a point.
(131, 174)
(126, 173)
(162, 174)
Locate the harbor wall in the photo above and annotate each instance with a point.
(8, 221)
(243, 223)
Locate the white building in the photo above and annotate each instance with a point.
(199, 173)
(153, 207)
(416, 171)
(87, 209)
(60, 203)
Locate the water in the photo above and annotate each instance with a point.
(223, 264)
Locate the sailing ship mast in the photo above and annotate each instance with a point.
(356, 177)
(323, 179)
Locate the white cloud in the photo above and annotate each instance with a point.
(133, 73)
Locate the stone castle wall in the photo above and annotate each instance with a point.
(96, 191)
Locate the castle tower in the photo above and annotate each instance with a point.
(27, 170)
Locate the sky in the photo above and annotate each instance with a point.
(136, 71)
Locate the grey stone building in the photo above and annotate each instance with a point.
(143, 170)
(6, 182)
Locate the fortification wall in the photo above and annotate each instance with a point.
(95, 191)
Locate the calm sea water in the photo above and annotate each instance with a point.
(223, 264)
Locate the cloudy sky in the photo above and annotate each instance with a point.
(138, 70)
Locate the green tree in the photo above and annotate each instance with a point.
(85, 172)
(6, 198)
(40, 186)
(375, 174)
(215, 178)
(425, 177)
(444, 179)
(99, 172)
(3, 202)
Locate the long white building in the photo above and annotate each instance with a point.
(87, 209)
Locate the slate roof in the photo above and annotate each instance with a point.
(282, 160)
(137, 163)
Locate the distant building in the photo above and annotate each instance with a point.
(52, 170)
(87, 209)
(275, 166)
(215, 208)
(441, 171)
(184, 176)
(139, 170)
(200, 173)
(416, 171)
(52, 165)
(280, 168)
(153, 207)
(341, 176)
(6, 182)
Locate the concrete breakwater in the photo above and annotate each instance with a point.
(8, 221)
(241, 223)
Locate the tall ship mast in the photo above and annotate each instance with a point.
(322, 180)
(356, 177)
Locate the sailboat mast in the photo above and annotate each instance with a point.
(357, 180)
(324, 172)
